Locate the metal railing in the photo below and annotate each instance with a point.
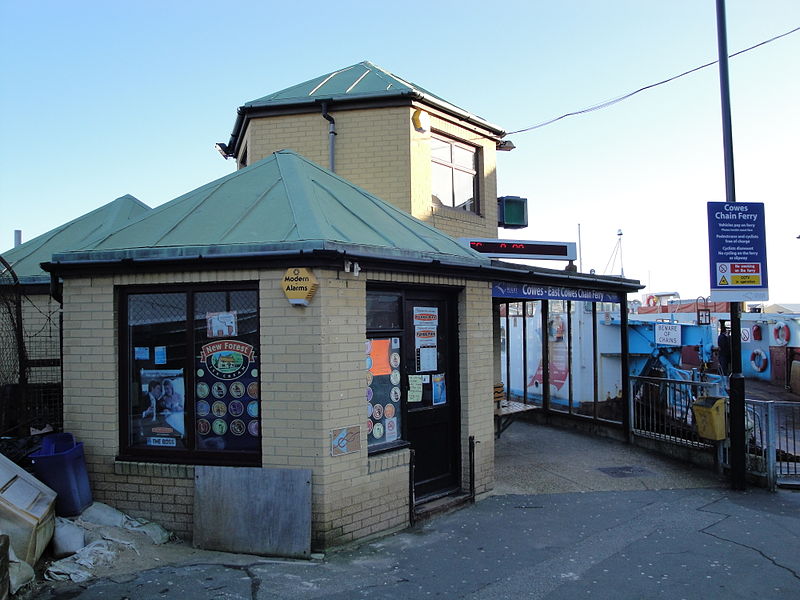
(773, 441)
(662, 408)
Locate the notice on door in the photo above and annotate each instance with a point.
(426, 315)
(415, 388)
(424, 335)
(426, 359)
(439, 392)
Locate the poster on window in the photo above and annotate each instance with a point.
(383, 390)
(160, 420)
(227, 397)
(221, 324)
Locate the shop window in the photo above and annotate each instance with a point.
(190, 376)
(454, 180)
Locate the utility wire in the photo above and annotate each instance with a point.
(613, 101)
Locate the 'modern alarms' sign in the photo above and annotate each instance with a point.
(299, 285)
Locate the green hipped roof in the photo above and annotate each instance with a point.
(363, 81)
(25, 258)
(283, 204)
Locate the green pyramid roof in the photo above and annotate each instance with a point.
(283, 204)
(26, 258)
(358, 83)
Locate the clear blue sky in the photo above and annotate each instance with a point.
(101, 99)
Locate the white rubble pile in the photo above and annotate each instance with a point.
(95, 539)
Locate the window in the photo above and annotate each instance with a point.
(190, 375)
(383, 371)
(453, 174)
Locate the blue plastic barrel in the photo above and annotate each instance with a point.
(61, 465)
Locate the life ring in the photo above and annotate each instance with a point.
(758, 360)
(757, 333)
(781, 333)
(651, 300)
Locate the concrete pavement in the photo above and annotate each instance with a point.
(575, 516)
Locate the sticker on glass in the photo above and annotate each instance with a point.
(227, 359)
(238, 427)
(236, 408)
(394, 360)
(388, 411)
(377, 411)
(237, 389)
(395, 377)
(252, 389)
(219, 390)
(252, 428)
(203, 426)
(202, 408)
(202, 390)
(252, 408)
(219, 426)
(219, 409)
(395, 394)
(391, 430)
(377, 431)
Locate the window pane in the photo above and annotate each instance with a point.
(440, 150)
(558, 336)
(464, 191)
(383, 311)
(464, 157)
(157, 355)
(441, 184)
(609, 401)
(227, 398)
(533, 353)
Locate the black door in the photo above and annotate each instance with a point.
(432, 399)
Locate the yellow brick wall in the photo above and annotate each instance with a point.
(371, 147)
(312, 381)
(161, 493)
(379, 150)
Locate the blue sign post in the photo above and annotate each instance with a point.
(737, 248)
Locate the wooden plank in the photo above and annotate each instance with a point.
(253, 510)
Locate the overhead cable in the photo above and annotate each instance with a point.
(613, 101)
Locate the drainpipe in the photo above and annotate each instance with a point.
(331, 136)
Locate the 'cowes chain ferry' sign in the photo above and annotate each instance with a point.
(527, 291)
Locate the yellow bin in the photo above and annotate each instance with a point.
(709, 416)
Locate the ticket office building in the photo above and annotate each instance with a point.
(182, 349)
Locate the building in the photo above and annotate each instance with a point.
(289, 358)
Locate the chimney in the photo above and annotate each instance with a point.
(17, 237)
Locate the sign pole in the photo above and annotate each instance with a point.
(737, 409)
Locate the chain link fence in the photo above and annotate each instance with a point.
(30, 357)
